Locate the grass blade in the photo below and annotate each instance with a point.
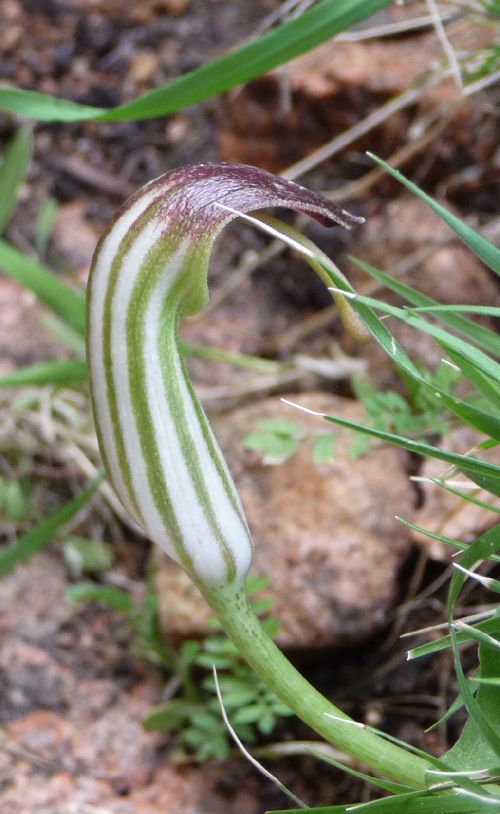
(463, 462)
(490, 626)
(484, 422)
(477, 357)
(478, 635)
(453, 708)
(69, 304)
(433, 535)
(485, 482)
(13, 170)
(488, 253)
(61, 374)
(483, 725)
(478, 334)
(290, 40)
(416, 802)
(487, 732)
(43, 534)
(395, 788)
(482, 383)
(483, 310)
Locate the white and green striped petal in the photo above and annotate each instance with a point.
(150, 269)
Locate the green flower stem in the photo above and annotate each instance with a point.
(230, 604)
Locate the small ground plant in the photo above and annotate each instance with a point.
(192, 711)
(418, 415)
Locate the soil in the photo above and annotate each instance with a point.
(72, 692)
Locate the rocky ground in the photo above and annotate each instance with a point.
(343, 574)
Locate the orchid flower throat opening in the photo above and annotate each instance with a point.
(149, 270)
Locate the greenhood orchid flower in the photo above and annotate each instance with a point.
(149, 270)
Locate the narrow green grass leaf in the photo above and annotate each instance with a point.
(472, 751)
(482, 383)
(478, 635)
(320, 810)
(453, 708)
(290, 40)
(487, 732)
(365, 308)
(13, 171)
(463, 462)
(484, 310)
(484, 481)
(376, 327)
(429, 803)
(43, 534)
(487, 582)
(483, 726)
(393, 788)
(484, 422)
(442, 539)
(488, 253)
(468, 498)
(417, 802)
(44, 108)
(489, 626)
(483, 548)
(478, 334)
(62, 374)
(69, 304)
(477, 357)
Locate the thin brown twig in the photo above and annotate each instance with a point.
(95, 177)
(445, 43)
(393, 29)
(411, 592)
(361, 128)
(362, 185)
